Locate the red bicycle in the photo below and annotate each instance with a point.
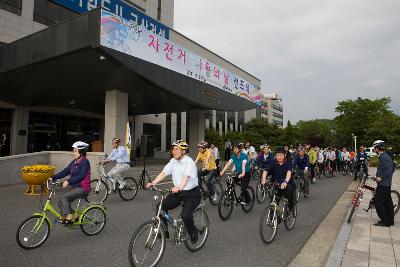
(359, 195)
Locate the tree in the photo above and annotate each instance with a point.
(317, 132)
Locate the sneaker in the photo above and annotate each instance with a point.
(195, 237)
(314, 180)
(121, 185)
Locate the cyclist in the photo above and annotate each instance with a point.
(345, 158)
(215, 153)
(78, 184)
(281, 171)
(301, 162)
(250, 151)
(264, 159)
(185, 190)
(242, 166)
(384, 173)
(312, 155)
(320, 159)
(288, 153)
(330, 158)
(209, 168)
(120, 155)
(361, 160)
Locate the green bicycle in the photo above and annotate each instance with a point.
(35, 230)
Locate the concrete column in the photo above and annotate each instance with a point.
(220, 127)
(19, 131)
(173, 128)
(226, 122)
(236, 121)
(115, 117)
(196, 131)
(214, 119)
(163, 118)
(183, 126)
(27, 9)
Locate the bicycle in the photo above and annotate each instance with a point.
(274, 214)
(150, 236)
(345, 167)
(359, 195)
(99, 188)
(35, 230)
(361, 172)
(217, 187)
(299, 182)
(317, 170)
(262, 190)
(229, 198)
(255, 172)
(329, 169)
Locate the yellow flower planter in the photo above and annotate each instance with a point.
(36, 175)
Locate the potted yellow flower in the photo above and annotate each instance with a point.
(36, 175)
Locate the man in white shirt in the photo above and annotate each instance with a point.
(215, 153)
(251, 151)
(120, 155)
(185, 190)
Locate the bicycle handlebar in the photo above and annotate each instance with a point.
(163, 191)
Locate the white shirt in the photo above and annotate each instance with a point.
(181, 168)
(119, 154)
(346, 156)
(320, 157)
(331, 155)
(215, 153)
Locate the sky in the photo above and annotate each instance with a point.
(312, 53)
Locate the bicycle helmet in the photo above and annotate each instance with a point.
(116, 140)
(203, 144)
(80, 145)
(238, 145)
(379, 144)
(264, 146)
(181, 144)
(280, 149)
(300, 148)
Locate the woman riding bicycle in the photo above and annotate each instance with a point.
(78, 184)
(185, 190)
(209, 168)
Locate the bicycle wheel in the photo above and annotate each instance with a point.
(225, 205)
(260, 193)
(93, 221)
(297, 192)
(268, 224)
(33, 232)
(130, 189)
(396, 200)
(255, 174)
(217, 187)
(249, 206)
(201, 222)
(290, 217)
(354, 207)
(98, 192)
(147, 245)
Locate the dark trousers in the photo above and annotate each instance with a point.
(227, 154)
(209, 179)
(68, 197)
(245, 180)
(312, 167)
(190, 200)
(288, 192)
(358, 166)
(384, 204)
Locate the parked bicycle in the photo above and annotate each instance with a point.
(35, 230)
(147, 244)
(99, 188)
(217, 188)
(230, 198)
(359, 195)
(275, 213)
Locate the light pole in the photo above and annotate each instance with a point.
(355, 142)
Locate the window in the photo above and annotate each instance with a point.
(49, 13)
(13, 6)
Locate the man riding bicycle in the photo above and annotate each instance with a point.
(242, 166)
(120, 155)
(345, 160)
(330, 158)
(209, 168)
(361, 160)
(265, 158)
(281, 172)
(302, 163)
(78, 184)
(185, 190)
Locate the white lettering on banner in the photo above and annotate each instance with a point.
(130, 38)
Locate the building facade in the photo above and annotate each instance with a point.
(43, 127)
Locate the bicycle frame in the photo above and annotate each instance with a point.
(230, 184)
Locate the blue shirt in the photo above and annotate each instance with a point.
(119, 154)
(279, 172)
(238, 162)
(361, 156)
(301, 162)
(264, 160)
